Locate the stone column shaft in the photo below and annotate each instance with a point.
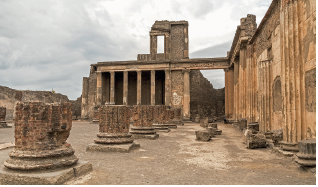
(99, 88)
(153, 87)
(167, 87)
(84, 97)
(186, 94)
(112, 87)
(139, 87)
(125, 90)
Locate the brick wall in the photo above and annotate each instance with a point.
(2, 113)
(204, 99)
(114, 119)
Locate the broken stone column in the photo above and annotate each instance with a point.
(203, 135)
(307, 153)
(41, 131)
(159, 121)
(169, 119)
(177, 117)
(255, 140)
(3, 123)
(113, 133)
(96, 115)
(215, 127)
(142, 117)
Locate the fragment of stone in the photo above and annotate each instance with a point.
(253, 126)
(160, 119)
(242, 124)
(214, 125)
(277, 136)
(113, 135)
(211, 130)
(41, 131)
(142, 119)
(307, 153)
(218, 132)
(96, 115)
(3, 123)
(204, 122)
(255, 140)
(203, 135)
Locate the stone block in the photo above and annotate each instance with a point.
(211, 130)
(253, 125)
(213, 125)
(242, 124)
(255, 141)
(203, 135)
(277, 136)
(218, 132)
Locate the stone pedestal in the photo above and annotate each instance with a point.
(160, 119)
(204, 122)
(197, 118)
(142, 118)
(113, 133)
(169, 119)
(177, 117)
(41, 131)
(215, 127)
(307, 153)
(3, 123)
(255, 140)
(289, 146)
(253, 126)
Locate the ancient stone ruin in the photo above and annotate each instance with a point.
(142, 116)
(160, 118)
(113, 133)
(41, 131)
(3, 123)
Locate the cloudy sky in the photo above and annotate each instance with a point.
(47, 44)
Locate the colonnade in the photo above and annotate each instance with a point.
(99, 92)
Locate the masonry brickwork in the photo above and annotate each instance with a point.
(41, 131)
(205, 100)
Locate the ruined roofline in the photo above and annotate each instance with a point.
(235, 40)
(173, 61)
(268, 13)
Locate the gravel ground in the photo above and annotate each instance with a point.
(177, 158)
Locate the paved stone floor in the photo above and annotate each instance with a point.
(177, 158)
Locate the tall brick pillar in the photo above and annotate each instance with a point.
(112, 87)
(113, 133)
(125, 90)
(138, 87)
(186, 94)
(41, 131)
(153, 87)
(167, 87)
(99, 88)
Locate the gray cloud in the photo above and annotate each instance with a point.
(51, 44)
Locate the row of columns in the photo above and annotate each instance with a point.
(125, 87)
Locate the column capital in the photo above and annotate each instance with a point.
(186, 71)
(153, 71)
(167, 71)
(98, 72)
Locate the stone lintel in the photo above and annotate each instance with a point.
(44, 177)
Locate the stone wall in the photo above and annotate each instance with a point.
(10, 97)
(204, 99)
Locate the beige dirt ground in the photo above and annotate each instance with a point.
(177, 158)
